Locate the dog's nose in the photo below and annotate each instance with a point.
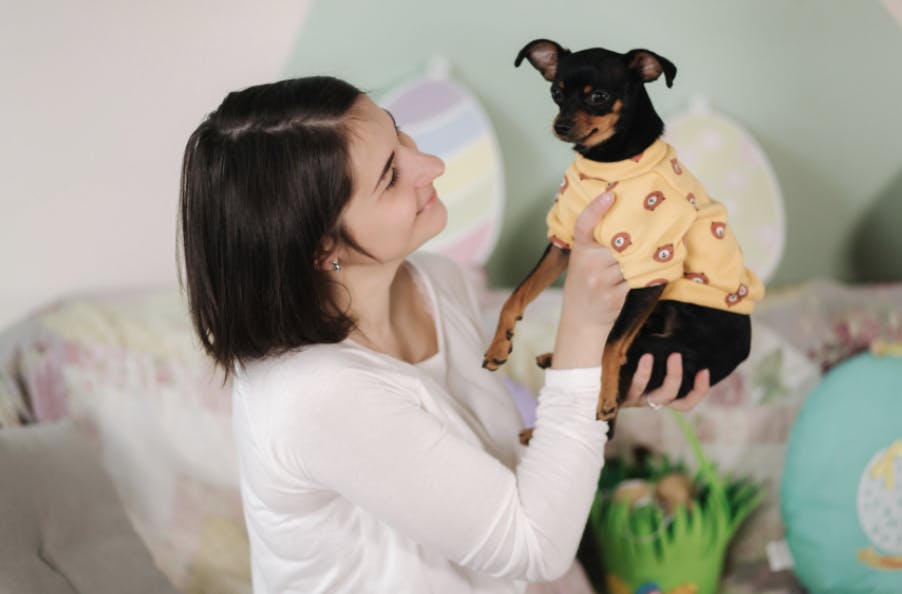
(563, 127)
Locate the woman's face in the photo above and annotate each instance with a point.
(394, 208)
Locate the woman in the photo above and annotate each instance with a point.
(376, 455)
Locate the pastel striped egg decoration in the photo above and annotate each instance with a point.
(737, 173)
(446, 120)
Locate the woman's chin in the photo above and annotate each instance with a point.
(435, 219)
(440, 212)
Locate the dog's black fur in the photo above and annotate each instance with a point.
(706, 338)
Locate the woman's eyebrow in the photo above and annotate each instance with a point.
(391, 157)
(385, 169)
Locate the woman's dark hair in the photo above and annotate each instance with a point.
(264, 180)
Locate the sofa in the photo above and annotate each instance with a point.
(119, 379)
(64, 528)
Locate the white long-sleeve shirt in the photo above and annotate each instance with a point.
(364, 473)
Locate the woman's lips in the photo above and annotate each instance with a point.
(431, 200)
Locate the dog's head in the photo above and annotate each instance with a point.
(604, 108)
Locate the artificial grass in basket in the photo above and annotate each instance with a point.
(645, 549)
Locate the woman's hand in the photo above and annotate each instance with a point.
(666, 393)
(595, 289)
(593, 293)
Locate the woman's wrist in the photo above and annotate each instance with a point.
(578, 344)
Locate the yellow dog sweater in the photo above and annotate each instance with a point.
(663, 227)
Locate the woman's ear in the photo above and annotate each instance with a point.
(327, 253)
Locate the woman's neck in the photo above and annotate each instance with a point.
(391, 317)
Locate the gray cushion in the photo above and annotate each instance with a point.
(63, 529)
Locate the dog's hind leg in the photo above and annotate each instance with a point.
(636, 309)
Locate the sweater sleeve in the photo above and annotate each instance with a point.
(364, 435)
(536, 535)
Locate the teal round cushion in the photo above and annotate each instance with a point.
(841, 493)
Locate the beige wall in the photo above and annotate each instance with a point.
(97, 99)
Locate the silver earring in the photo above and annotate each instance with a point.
(336, 267)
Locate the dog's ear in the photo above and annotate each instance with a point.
(543, 54)
(648, 66)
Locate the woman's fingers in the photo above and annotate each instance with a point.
(640, 380)
(671, 386)
(666, 393)
(698, 392)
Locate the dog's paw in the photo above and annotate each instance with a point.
(606, 411)
(496, 355)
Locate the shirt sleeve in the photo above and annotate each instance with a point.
(364, 435)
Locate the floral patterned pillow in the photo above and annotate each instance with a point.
(127, 369)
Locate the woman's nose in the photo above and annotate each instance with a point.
(430, 167)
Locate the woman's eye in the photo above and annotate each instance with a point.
(597, 98)
(556, 94)
(393, 179)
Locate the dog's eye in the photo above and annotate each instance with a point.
(557, 95)
(597, 98)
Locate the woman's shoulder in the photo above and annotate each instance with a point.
(319, 370)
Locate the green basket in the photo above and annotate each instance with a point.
(643, 549)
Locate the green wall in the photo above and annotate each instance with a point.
(817, 82)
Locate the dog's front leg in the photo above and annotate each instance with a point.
(552, 264)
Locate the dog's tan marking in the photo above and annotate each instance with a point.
(552, 264)
(603, 125)
(608, 402)
(614, 356)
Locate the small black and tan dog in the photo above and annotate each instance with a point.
(689, 289)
